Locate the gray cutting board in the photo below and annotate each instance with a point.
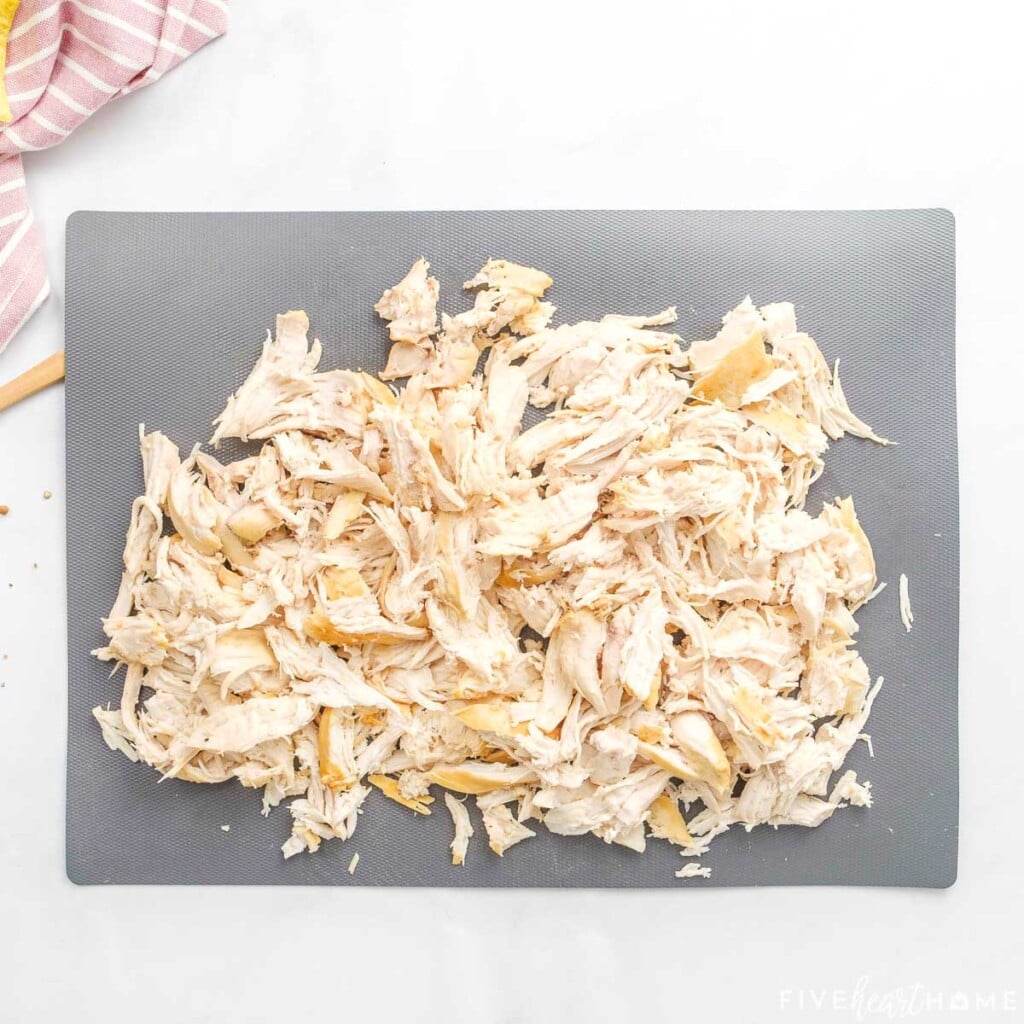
(166, 313)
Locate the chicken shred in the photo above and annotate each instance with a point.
(463, 829)
(620, 620)
(693, 870)
(906, 612)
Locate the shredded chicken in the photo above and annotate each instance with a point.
(693, 871)
(620, 620)
(463, 828)
(906, 612)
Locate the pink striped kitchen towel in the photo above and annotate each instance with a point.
(65, 59)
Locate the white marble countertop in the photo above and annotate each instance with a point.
(405, 105)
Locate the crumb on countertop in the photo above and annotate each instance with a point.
(47, 495)
(352, 863)
(4, 509)
(225, 828)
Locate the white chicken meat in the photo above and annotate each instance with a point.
(615, 619)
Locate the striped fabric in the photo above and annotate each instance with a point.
(65, 59)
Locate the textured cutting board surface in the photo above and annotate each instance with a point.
(165, 316)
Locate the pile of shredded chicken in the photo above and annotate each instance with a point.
(620, 620)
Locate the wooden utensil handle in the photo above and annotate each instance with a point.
(49, 371)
